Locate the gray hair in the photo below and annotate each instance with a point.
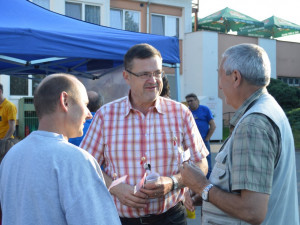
(251, 61)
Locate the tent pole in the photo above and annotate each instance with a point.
(177, 75)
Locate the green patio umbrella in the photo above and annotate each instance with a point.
(228, 19)
(274, 27)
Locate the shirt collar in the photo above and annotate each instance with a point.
(246, 105)
(159, 105)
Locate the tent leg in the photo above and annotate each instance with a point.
(177, 75)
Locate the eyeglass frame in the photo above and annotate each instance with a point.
(149, 74)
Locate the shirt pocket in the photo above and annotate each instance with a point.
(219, 170)
(166, 150)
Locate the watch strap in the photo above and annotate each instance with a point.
(175, 183)
(206, 190)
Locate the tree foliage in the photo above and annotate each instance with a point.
(287, 97)
(294, 118)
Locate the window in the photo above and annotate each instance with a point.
(158, 25)
(81, 11)
(22, 86)
(43, 3)
(165, 25)
(92, 14)
(18, 85)
(125, 19)
(291, 81)
(73, 10)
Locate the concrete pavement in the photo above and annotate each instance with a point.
(214, 150)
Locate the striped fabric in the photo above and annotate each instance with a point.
(120, 136)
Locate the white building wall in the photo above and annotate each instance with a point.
(270, 48)
(200, 64)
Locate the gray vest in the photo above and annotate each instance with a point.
(283, 202)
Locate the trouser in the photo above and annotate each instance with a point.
(174, 216)
(208, 159)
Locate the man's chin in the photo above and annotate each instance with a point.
(77, 135)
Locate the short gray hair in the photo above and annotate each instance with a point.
(251, 61)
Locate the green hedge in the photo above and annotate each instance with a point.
(287, 97)
(294, 118)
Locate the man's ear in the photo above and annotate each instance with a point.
(64, 101)
(126, 76)
(237, 78)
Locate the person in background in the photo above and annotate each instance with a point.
(8, 116)
(254, 177)
(95, 102)
(165, 92)
(145, 129)
(46, 180)
(205, 123)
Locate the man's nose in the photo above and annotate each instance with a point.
(89, 115)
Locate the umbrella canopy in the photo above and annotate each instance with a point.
(274, 27)
(228, 19)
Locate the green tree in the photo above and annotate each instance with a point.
(287, 97)
(130, 24)
(294, 118)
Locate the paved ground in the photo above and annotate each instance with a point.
(215, 148)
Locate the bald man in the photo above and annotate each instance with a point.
(46, 180)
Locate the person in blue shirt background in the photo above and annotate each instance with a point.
(95, 102)
(205, 123)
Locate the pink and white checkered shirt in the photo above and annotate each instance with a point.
(120, 136)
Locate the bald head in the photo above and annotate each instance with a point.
(47, 94)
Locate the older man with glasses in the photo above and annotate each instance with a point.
(145, 129)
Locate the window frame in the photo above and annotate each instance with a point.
(123, 17)
(291, 81)
(166, 21)
(83, 4)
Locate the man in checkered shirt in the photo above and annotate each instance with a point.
(140, 129)
(254, 177)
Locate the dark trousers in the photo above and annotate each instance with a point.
(174, 216)
(208, 159)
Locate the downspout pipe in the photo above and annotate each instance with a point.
(148, 16)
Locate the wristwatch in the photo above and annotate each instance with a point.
(175, 183)
(205, 192)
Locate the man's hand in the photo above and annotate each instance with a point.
(158, 189)
(193, 177)
(125, 194)
(188, 202)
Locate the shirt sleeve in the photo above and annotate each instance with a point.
(84, 195)
(193, 139)
(93, 141)
(11, 112)
(209, 115)
(256, 147)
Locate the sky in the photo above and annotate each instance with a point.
(257, 9)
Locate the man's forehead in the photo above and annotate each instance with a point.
(138, 61)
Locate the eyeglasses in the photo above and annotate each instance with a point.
(147, 75)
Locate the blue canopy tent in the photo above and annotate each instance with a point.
(38, 41)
